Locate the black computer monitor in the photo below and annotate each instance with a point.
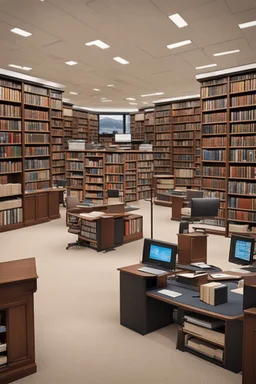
(241, 250)
(194, 193)
(159, 253)
(184, 227)
(206, 207)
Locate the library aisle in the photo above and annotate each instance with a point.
(78, 336)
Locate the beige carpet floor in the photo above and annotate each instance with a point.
(78, 336)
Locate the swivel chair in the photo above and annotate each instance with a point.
(73, 222)
(191, 193)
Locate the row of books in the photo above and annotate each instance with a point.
(130, 184)
(114, 169)
(10, 166)
(217, 194)
(164, 113)
(186, 104)
(214, 91)
(214, 183)
(11, 216)
(11, 84)
(58, 170)
(244, 172)
(181, 181)
(94, 179)
(10, 137)
(95, 195)
(10, 189)
(214, 171)
(114, 178)
(37, 151)
(74, 183)
(144, 188)
(163, 162)
(214, 129)
(40, 101)
(31, 187)
(130, 177)
(131, 166)
(58, 156)
(183, 158)
(241, 187)
(183, 112)
(95, 171)
(188, 150)
(56, 114)
(163, 136)
(241, 86)
(217, 155)
(37, 175)
(57, 123)
(178, 164)
(186, 143)
(184, 172)
(158, 155)
(92, 187)
(243, 128)
(163, 143)
(10, 110)
(75, 156)
(208, 105)
(214, 142)
(92, 163)
(10, 204)
(57, 104)
(242, 203)
(114, 158)
(10, 94)
(13, 151)
(180, 119)
(35, 89)
(75, 166)
(243, 100)
(37, 138)
(162, 128)
(162, 120)
(57, 148)
(56, 94)
(36, 163)
(35, 114)
(183, 135)
(213, 117)
(36, 126)
(75, 174)
(187, 126)
(243, 115)
(57, 140)
(243, 76)
(243, 141)
(89, 235)
(10, 125)
(133, 226)
(242, 215)
(243, 155)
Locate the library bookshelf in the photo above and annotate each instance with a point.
(67, 123)
(149, 127)
(93, 130)
(163, 141)
(228, 148)
(90, 174)
(30, 118)
(137, 126)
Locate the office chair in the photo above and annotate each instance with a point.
(62, 184)
(191, 193)
(202, 208)
(73, 222)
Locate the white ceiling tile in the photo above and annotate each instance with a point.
(239, 6)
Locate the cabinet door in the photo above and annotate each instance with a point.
(30, 209)
(42, 207)
(54, 204)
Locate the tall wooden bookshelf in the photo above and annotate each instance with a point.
(163, 140)
(68, 123)
(185, 123)
(149, 126)
(57, 137)
(137, 126)
(90, 174)
(82, 125)
(93, 134)
(75, 124)
(228, 147)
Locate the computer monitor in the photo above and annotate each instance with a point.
(206, 207)
(184, 227)
(123, 138)
(161, 254)
(193, 193)
(241, 250)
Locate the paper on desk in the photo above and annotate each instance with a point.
(200, 265)
(190, 275)
(170, 293)
(240, 291)
(223, 275)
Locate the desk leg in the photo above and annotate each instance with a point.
(234, 345)
(138, 312)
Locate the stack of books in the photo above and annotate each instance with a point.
(214, 293)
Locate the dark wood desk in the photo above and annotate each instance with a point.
(18, 282)
(178, 202)
(144, 310)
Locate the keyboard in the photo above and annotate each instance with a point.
(154, 271)
(250, 269)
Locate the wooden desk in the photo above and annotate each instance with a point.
(144, 310)
(192, 247)
(17, 285)
(178, 202)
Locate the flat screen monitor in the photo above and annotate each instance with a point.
(184, 227)
(110, 124)
(159, 254)
(206, 207)
(241, 250)
(123, 138)
(193, 193)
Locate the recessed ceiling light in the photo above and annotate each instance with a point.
(206, 66)
(130, 98)
(20, 67)
(133, 103)
(227, 52)
(73, 93)
(98, 43)
(121, 60)
(103, 98)
(106, 101)
(179, 44)
(96, 89)
(247, 25)
(111, 85)
(21, 32)
(144, 102)
(178, 20)
(71, 62)
(153, 94)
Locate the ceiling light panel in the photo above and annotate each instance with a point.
(121, 60)
(98, 43)
(133, 103)
(73, 93)
(111, 85)
(247, 25)
(206, 66)
(106, 101)
(96, 89)
(130, 98)
(21, 32)
(178, 20)
(179, 44)
(153, 94)
(20, 67)
(71, 62)
(227, 52)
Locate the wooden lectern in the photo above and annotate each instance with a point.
(192, 248)
(18, 282)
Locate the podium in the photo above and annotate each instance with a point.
(18, 282)
(192, 248)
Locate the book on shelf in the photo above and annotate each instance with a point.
(204, 348)
(209, 334)
(204, 321)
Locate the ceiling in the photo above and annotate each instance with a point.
(136, 30)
